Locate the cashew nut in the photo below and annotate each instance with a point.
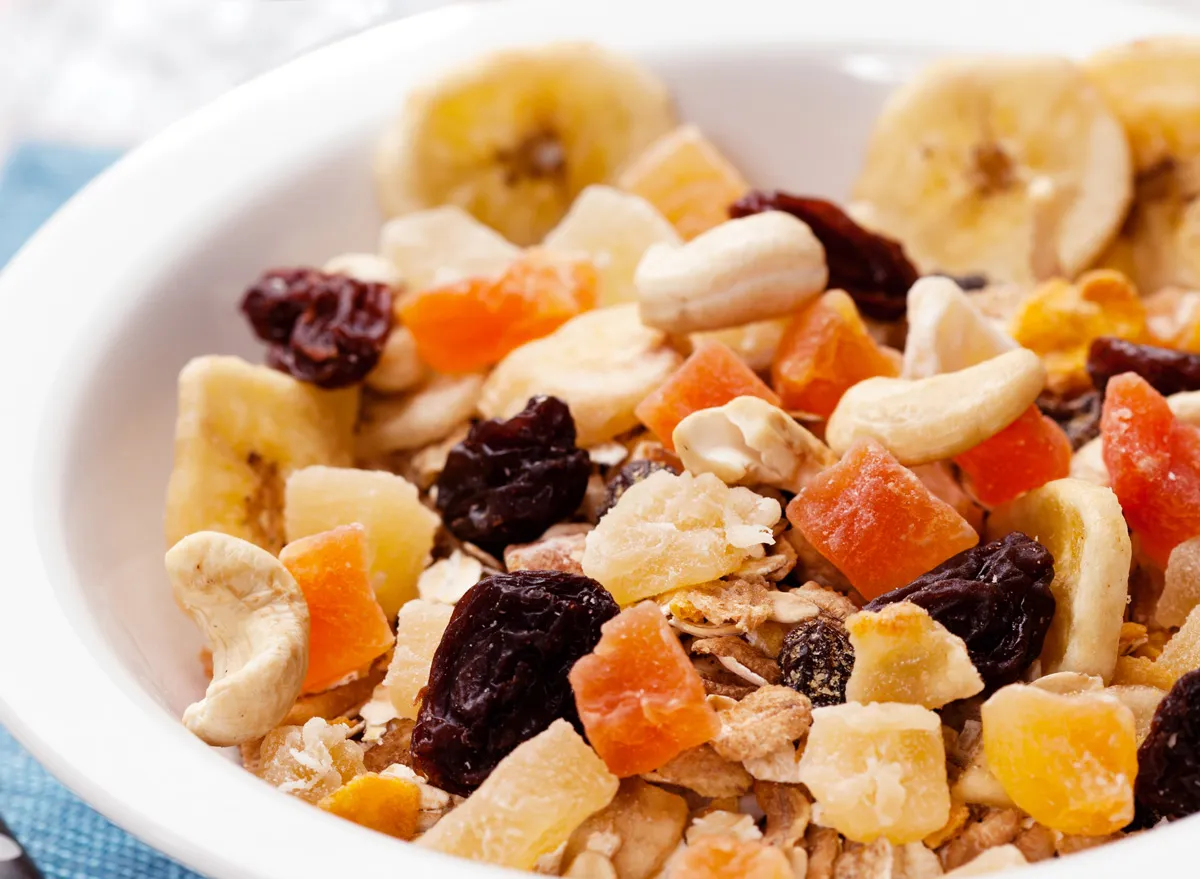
(256, 620)
(750, 269)
(941, 416)
(750, 442)
(946, 332)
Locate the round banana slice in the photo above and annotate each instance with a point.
(514, 137)
(1154, 88)
(1009, 167)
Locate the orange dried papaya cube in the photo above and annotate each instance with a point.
(347, 625)
(641, 700)
(1030, 452)
(389, 805)
(1153, 461)
(727, 857)
(1060, 320)
(876, 521)
(473, 323)
(826, 349)
(712, 376)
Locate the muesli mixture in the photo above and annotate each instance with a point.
(618, 519)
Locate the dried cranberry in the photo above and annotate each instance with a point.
(995, 597)
(628, 476)
(1167, 371)
(870, 267)
(1168, 780)
(1079, 417)
(499, 676)
(325, 329)
(509, 481)
(817, 659)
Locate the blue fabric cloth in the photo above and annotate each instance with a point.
(65, 838)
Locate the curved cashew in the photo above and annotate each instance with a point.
(933, 418)
(256, 621)
(750, 269)
(946, 332)
(750, 442)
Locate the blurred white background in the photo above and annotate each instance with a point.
(111, 72)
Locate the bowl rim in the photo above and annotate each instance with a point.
(54, 664)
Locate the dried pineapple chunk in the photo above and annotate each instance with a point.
(1067, 760)
(389, 805)
(240, 433)
(1182, 653)
(530, 804)
(601, 363)
(311, 761)
(901, 654)
(671, 531)
(1142, 701)
(1181, 584)
(1082, 526)
(613, 229)
(684, 176)
(419, 628)
(399, 527)
(877, 771)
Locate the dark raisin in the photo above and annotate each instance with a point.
(509, 481)
(1167, 371)
(817, 659)
(870, 267)
(995, 597)
(325, 329)
(1079, 417)
(499, 676)
(1168, 780)
(626, 477)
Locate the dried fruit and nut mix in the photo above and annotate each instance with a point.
(617, 520)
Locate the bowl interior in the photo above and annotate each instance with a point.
(145, 269)
(804, 134)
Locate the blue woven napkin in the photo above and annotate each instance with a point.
(65, 838)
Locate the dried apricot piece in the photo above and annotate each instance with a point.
(712, 376)
(641, 700)
(727, 857)
(473, 323)
(530, 804)
(1031, 451)
(1068, 760)
(826, 349)
(1153, 459)
(878, 770)
(876, 521)
(389, 805)
(348, 628)
(1059, 321)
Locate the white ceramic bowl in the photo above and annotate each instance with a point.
(143, 271)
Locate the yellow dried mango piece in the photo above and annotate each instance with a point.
(389, 805)
(901, 654)
(1068, 760)
(1059, 320)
